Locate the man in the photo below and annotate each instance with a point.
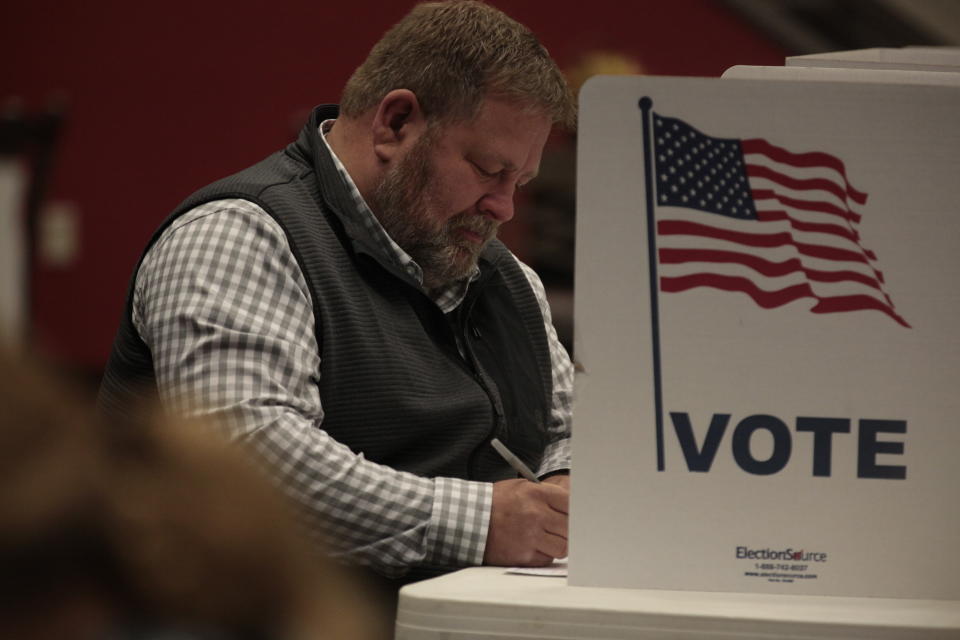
(344, 306)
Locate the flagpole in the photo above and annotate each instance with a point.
(646, 104)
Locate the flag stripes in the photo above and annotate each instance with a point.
(801, 160)
(751, 217)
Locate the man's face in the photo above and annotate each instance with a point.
(445, 199)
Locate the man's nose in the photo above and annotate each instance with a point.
(498, 204)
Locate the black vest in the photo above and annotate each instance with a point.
(394, 385)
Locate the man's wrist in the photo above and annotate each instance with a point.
(460, 520)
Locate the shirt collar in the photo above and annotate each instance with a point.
(447, 297)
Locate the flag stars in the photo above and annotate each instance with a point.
(695, 170)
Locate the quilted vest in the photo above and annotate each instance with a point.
(394, 384)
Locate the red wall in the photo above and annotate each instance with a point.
(164, 98)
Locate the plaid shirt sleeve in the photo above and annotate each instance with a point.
(556, 456)
(227, 315)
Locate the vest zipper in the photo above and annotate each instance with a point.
(497, 427)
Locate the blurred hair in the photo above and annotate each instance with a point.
(454, 54)
(157, 525)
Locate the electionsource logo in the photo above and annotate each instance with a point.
(785, 554)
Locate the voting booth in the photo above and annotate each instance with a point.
(766, 424)
(488, 603)
(905, 58)
(766, 293)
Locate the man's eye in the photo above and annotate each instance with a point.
(484, 172)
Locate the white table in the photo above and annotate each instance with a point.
(487, 602)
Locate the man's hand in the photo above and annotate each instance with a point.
(561, 480)
(528, 523)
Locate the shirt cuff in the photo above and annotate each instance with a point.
(459, 522)
(556, 457)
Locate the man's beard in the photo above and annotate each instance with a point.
(407, 209)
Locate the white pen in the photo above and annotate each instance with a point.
(513, 460)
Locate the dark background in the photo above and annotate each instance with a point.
(160, 99)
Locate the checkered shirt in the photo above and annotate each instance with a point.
(224, 308)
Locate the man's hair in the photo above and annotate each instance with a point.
(454, 54)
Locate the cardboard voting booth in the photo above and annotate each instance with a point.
(486, 603)
(767, 293)
(842, 74)
(906, 58)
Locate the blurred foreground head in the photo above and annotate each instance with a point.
(133, 531)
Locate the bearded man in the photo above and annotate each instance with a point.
(345, 308)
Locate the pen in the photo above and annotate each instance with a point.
(513, 460)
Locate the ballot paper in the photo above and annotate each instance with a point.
(558, 569)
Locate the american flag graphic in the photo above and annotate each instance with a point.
(751, 217)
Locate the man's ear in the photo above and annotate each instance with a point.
(397, 124)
